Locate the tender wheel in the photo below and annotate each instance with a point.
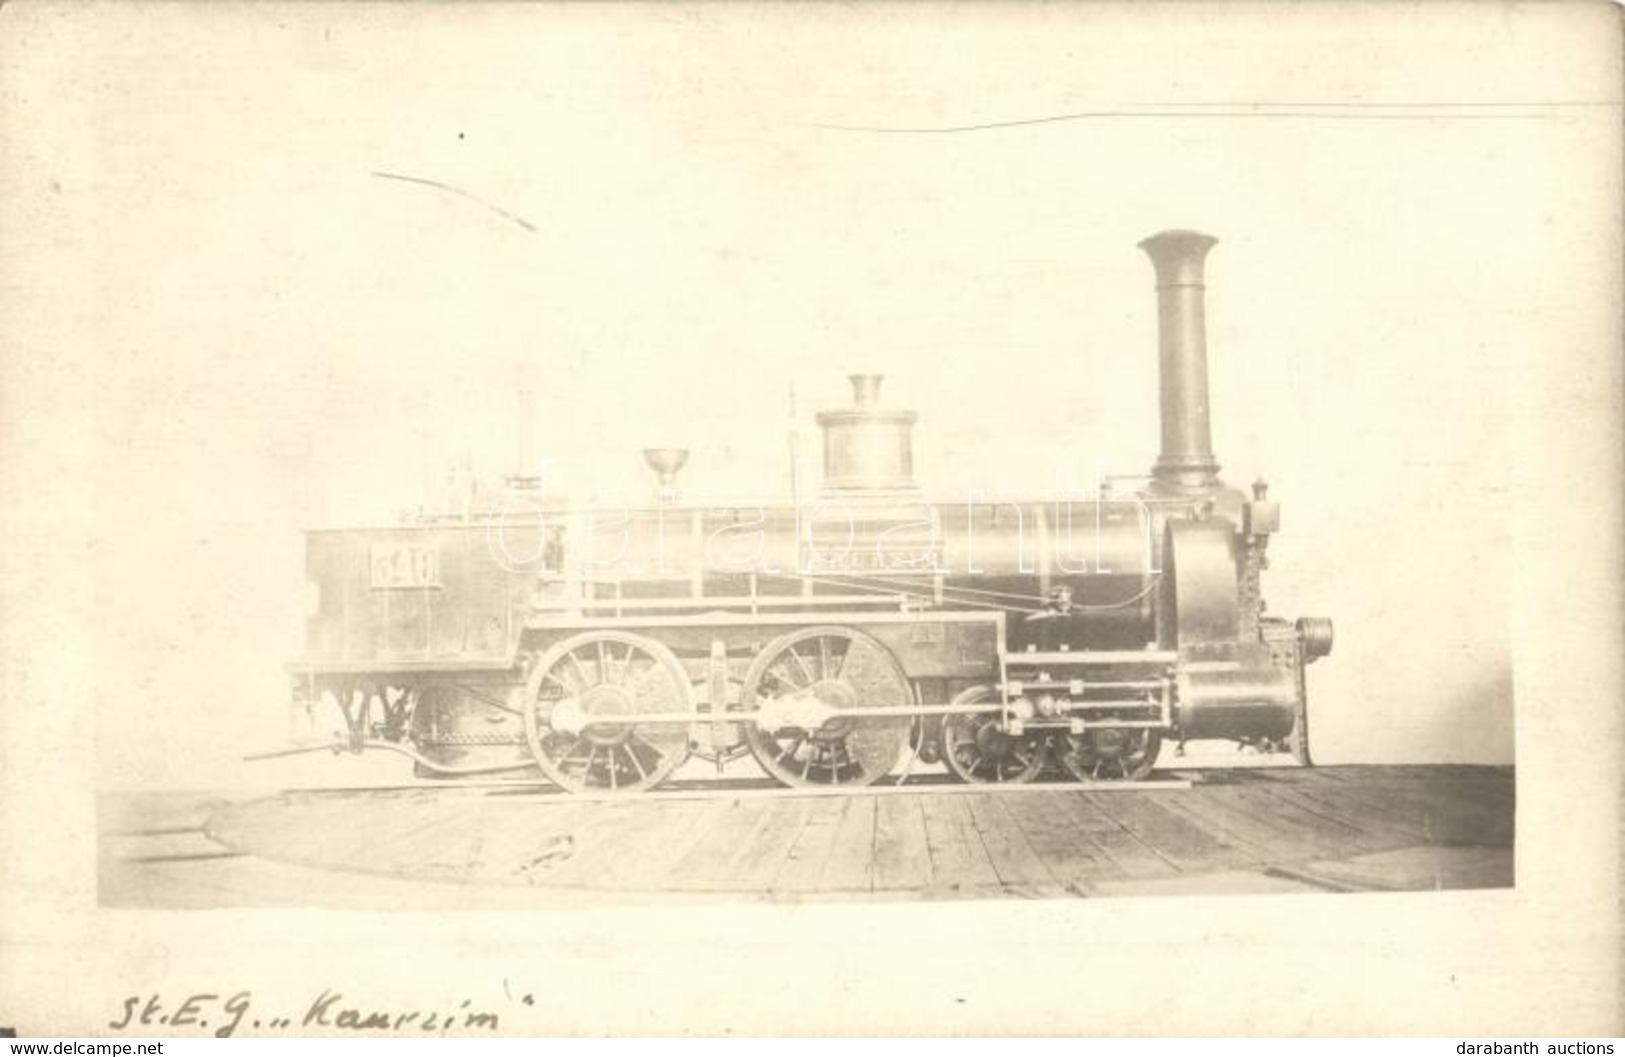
(828, 668)
(1109, 754)
(977, 750)
(582, 701)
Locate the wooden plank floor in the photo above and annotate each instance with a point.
(1264, 830)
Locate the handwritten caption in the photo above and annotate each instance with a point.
(239, 1013)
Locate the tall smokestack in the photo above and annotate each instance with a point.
(1187, 461)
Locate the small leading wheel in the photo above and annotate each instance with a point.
(977, 748)
(1109, 754)
(581, 706)
(827, 670)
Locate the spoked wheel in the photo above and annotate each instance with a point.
(977, 750)
(582, 704)
(821, 672)
(1109, 754)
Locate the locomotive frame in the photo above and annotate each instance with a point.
(436, 643)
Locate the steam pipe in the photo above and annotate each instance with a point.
(1186, 462)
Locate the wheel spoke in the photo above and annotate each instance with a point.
(840, 661)
(794, 745)
(823, 657)
(806, 672)
(603, 662)
(580, 670)
(631, 753)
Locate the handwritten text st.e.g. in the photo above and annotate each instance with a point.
(227, 1015)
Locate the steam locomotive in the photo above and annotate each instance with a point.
(834, 642)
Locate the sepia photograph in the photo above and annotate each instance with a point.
(904, 519)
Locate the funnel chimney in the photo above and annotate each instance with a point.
(1186, 462)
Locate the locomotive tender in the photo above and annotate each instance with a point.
(835, 641)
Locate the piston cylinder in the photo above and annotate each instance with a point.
(1226, 701)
